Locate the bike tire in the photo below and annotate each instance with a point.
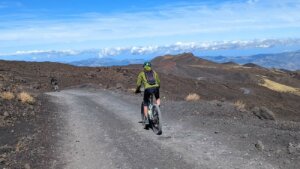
(142, 113)
(56, 88)
(157, 125)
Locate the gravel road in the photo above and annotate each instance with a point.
(100, 129)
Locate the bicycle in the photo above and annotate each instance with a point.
(55, 86)
(154, 116)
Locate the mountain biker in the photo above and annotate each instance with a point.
(54, 83)
(151, 82)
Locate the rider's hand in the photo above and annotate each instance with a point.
(137, 90)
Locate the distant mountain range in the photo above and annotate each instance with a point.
(286, 60)
(121, 57)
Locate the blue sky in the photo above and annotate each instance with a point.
(35, 25)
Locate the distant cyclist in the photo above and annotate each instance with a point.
(150, 80)
(54, 83)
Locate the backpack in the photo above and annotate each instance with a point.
(150, 77)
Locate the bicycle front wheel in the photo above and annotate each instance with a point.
(157, 120)
(142, 113)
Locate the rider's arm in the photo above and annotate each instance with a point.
(157, 78)
(139, 83)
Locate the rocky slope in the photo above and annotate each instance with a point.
(235, 83)
(241, 85)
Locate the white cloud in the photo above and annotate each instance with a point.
(35, 52)
(110, 52)
(178, 47)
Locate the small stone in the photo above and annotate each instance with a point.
(5, 114)
(294, 149)
(119, 86)
(3, 155)
(259, 145)
(245, 135)
(207, 159)
(287, 161)
(27, 166)
(2, 161)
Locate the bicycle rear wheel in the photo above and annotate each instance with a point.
(142, 113)
(156, 122)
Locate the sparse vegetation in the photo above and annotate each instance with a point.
(263, 113)
(240, 105)
(25, 97)
(7, 95)
(192, 97)
(279, 87)
(131, 89)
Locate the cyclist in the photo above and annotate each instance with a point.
(151, 82)
(54, 83)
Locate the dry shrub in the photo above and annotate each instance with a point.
(26, 98)
(240, 105)
(7, 95)
(20, 146)
(263, 113)
(131, 89)
(192, 97)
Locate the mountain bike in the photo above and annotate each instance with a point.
(154, 116)
(54, 84)
(55, 87)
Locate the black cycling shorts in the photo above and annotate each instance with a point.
(147, 94)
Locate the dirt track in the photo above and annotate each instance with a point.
(100, 129)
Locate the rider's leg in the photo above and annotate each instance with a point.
(158, 101)
(145, 111)
(157, 96)
(146, 102)
(146, 121)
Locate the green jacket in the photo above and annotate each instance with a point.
(141, 80)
